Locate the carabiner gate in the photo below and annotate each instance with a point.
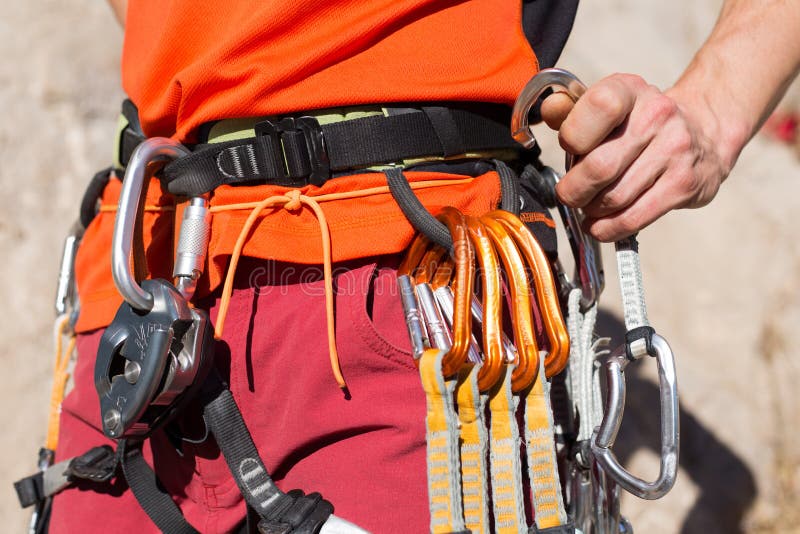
(604, 435)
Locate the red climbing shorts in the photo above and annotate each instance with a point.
(365, 453)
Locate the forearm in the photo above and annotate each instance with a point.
(739, 75)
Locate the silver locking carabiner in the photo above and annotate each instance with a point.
(153, 149)
(585, 249)
(604, 435)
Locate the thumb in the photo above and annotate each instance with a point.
(555, 109)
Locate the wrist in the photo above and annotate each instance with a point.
(716, 117)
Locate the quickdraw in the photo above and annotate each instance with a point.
(506, 375)
(489, 454)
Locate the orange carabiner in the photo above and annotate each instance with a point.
(428, 265)
(414, 256)
(546, 293)
(527, 361)
(464, 258)
(443, 274)
(494, 354)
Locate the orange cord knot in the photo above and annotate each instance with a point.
(294, 203)
(292, 200)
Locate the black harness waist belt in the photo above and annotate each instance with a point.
(297, 151)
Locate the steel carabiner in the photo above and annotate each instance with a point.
(603, 438)
(446, 300)
(438, 334)
(408, 297)
(133, 186)
(585, 249)
(641, 339)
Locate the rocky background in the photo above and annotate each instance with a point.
(723, 283)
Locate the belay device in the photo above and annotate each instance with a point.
(153, 359)
(157, 350)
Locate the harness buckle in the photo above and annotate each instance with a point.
(298, 143)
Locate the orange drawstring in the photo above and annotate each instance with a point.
(379, 190)
(60, 377)
(148, 208)
(292, 201)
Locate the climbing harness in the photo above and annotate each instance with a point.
(153, 359)
(503, 456)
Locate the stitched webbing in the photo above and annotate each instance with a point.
(288, 156)
(584, 373)
(548, 504)
(474, 445)
(630, 281)
(60, 378)
(152, 497)
(505, 461)
(444, 475)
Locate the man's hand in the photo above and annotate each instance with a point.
(640, 154)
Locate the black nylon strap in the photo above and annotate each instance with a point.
(281, 512)
(94, 190)
(225, 422)
(288, 152)
(30, 490)
(446, 130)
(415, 212)
(292, 512)
(509, 188)
(153, 499)
(421, 219)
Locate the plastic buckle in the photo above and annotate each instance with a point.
(318, 160)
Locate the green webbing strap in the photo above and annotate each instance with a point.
(444, 475)
(548, 504)
(474, 445)
(506, 463)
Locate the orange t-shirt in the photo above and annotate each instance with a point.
(187, 62)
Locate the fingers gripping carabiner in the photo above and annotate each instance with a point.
(560, 81)
(606, 433)
(156, 148)
(585, 249)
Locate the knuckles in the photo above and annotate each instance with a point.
(606, 99)
(603, 166)
(660, 109)
(612, 200)
(680, 140)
